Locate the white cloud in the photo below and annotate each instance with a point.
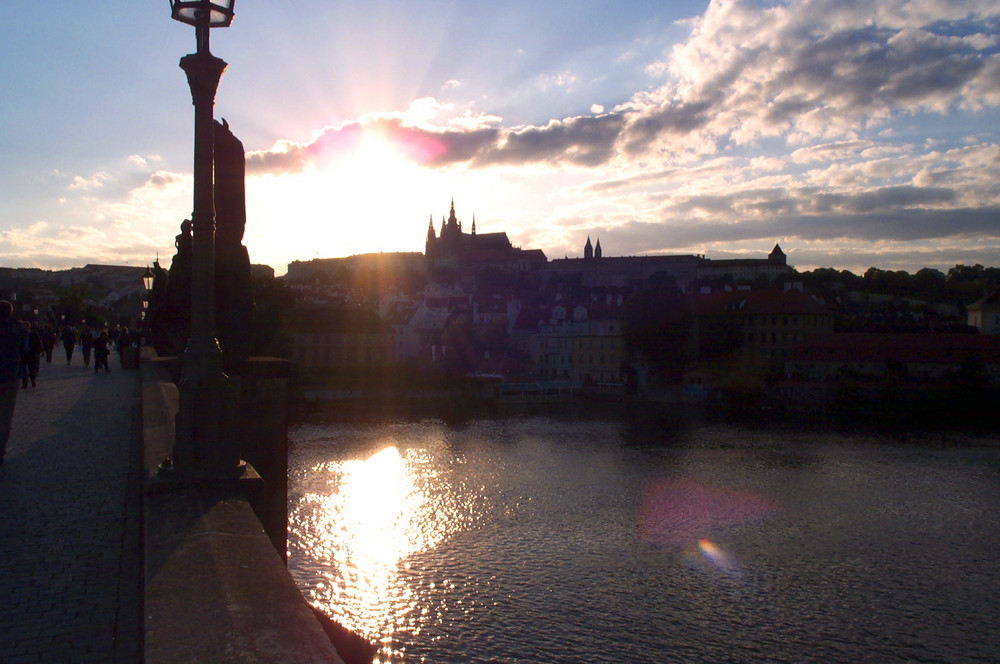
(95, 181)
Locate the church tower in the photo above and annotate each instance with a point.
(453, 226)
(597, 249)
(429, 246)
(588, 250)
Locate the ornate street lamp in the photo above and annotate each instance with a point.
(147, 279)
(206, 444)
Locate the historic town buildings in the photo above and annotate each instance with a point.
(473, 303)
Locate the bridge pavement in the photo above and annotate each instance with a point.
(70, 564)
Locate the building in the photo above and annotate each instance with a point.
(599, 354)
(324, 338)
(597, 270)
(579, 343)
(916, 356)
(984, 314)
(764, 323)
(747, 269)
(464, 254)
(380, 270)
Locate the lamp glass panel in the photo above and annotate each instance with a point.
(220, 17)
(220, 11)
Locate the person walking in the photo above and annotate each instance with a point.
(31, 354)
(101, 351)
(69, 343)
(48, 342)
(126, 352)
(10, 370)
(86, 344)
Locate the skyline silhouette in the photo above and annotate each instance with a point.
(854, 136)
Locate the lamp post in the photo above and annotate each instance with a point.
(205, 444)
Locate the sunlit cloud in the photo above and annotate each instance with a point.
(95, 181)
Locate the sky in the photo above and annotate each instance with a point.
(853, 133)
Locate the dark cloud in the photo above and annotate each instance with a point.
(671, 118)
(890, 215)
(585, 140)
(885, 198)
(429, 147)
(289, 158)
(162, 179)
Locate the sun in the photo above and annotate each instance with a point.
(368, 198)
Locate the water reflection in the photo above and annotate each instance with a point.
(546, 542)
(357, 524)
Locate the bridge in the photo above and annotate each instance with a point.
(100, 562)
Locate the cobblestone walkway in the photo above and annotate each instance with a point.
(69, 519)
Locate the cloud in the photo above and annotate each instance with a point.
(460, 142)
(95, 181)
(162, 179)
(583, 140)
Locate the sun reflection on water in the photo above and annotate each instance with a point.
(358, 528)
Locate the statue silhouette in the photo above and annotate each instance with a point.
(233, 282)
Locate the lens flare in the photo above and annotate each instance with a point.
(713, 553)
(680, 511)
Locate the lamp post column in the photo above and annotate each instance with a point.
(206, 441)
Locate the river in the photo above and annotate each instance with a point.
(546, 540)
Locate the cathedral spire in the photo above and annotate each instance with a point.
(597, 249)
(588, 249)
(473, 223)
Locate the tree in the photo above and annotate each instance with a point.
(71, 301)
(657, 323)
(462, 344)
(273, 305)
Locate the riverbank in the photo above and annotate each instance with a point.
(842, 405)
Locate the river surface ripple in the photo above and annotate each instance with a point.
(537, 540)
